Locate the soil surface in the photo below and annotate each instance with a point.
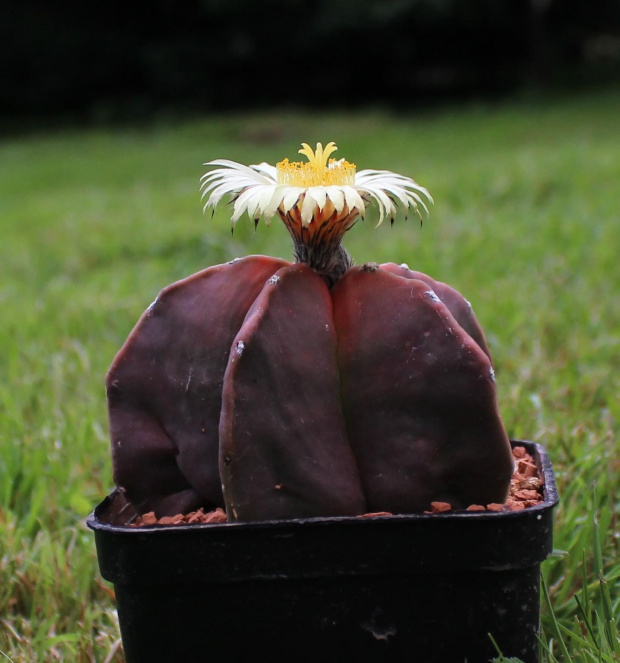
(526, 487)
(200, 516)
(525, 491)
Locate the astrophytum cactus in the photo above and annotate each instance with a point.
(313, 388)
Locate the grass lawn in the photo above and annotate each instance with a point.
(94, 223)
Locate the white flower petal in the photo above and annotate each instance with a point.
(335, 194)
(417, 201)
(251, 196)
(308, 208)
(265, 198)
(221, 185)
(254, 186)
(291, 196)
(400, 191)
(267, 169)
(252, 206)
(319, 195)
(353, 199)
(383, 201)
(216, 195)
(275, 201)
(240, 205)
(233, 168)
(231, 178)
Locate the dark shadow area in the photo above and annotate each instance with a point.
(104, 62)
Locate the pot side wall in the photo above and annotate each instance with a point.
(423, 588)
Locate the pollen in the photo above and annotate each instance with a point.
(319, 170)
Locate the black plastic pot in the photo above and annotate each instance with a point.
(399, 588)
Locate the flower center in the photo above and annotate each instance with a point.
(318, 171)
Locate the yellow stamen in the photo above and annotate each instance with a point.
(318, 171)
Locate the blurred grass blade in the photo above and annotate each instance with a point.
(554, 621)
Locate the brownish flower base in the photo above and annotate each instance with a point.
(525, 491)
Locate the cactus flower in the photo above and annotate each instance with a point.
(312, 388)
(318, 200)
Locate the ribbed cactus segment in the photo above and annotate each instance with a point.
(284, 447)
(457, 304)
(164, 387)
(418, 396)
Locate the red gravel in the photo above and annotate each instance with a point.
(525, 491)
(525, 488)
(211, 517)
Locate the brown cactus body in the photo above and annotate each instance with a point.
(284, 446)
(368, 397)
(456, 303)
(164, 387)
(418, 395)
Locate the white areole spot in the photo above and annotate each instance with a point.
(404, 265)
(431, 295)
(152, 305)
(275, 279)
(240, 347)
(492, 373)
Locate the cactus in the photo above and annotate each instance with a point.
(314, 388)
